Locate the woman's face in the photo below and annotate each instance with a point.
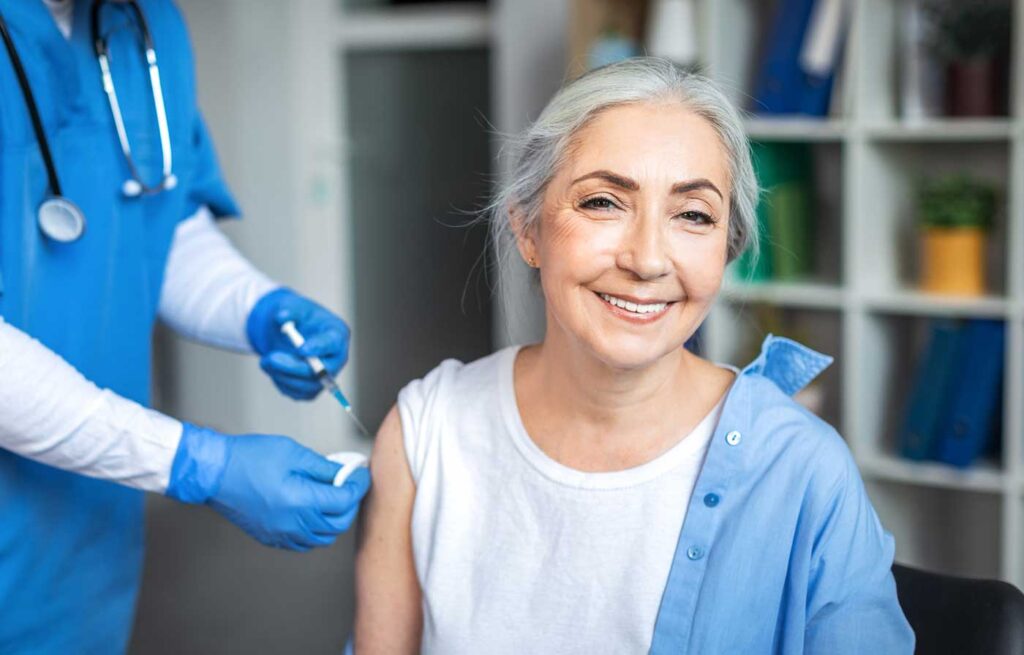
(632, 237)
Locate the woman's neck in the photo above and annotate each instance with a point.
(592, 416)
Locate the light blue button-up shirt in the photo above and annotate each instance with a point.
(781, 550)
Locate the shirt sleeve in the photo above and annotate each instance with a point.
(852, 606)
(205, 184)
(53, 415)
(209, 288)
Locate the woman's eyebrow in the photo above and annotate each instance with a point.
(631, 185)
(612, 178)
(693, 185)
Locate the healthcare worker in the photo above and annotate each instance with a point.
(108, 192)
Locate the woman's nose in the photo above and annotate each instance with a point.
(644, 251)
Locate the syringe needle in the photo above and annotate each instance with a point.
(322, 374)
(332, 386)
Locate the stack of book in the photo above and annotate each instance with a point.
(953, 409)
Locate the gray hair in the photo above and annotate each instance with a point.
(536, 153)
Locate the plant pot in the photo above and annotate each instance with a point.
(953, 261)
(976, 87)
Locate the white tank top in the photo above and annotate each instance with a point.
(517, 553)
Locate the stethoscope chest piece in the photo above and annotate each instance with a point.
(61, 220)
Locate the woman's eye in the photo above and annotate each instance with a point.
(599, 202)
(696, 217)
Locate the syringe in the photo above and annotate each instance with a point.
(322, 374)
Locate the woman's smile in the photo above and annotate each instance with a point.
(633, 309)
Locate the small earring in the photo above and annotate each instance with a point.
(532, 262)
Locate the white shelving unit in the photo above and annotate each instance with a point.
(966, 522)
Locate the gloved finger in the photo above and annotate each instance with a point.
(339, 500)
(341, 523)
(290, 543)
(279, 362)
(296, 312)
(331, 346)
(331, 525)
(297, 389)
(317, 467)
(313, 536)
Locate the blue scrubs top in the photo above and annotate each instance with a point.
(71, 547)
(780, 551)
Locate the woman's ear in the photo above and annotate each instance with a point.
(525, 236)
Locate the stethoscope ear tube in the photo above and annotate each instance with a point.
(135, 186)
(33, 109)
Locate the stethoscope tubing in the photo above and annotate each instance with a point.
(33, 109)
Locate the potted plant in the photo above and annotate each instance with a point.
(972, 37)
(955, 214)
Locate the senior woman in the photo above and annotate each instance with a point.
(606, 490)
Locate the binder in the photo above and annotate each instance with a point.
(803, 54)
(976, 392)
(930, 392)
(821, 54)
(780, 79)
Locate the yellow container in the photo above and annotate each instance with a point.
(953, 261)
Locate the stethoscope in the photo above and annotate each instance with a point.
(59, 218)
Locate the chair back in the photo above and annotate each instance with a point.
(961, 615)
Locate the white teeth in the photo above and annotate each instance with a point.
(632, 306)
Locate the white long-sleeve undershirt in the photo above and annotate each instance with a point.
(209, 287)
(51, 413)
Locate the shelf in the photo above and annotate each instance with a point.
(788, 294)
(984, 477)
(443, 26)
(796, 129)
(916, 303)
(942, 130)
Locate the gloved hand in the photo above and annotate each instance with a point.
(326, 337)
(278, 491)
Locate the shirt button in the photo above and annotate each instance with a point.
(733, 438)
(694, 553)
(712, 500)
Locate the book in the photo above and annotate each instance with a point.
(820, 55)
(929, 392)
(799, 65)
(779, 80)
(785, 174)
(969, 425)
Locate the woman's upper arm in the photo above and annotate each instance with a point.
(851, 583)
(388, 614)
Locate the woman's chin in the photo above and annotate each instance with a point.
(629, 354)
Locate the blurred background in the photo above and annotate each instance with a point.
(360, 136)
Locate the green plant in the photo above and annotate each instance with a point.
(969, 29)
(966, 29)
(956, 201)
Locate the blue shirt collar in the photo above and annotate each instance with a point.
(790, 365)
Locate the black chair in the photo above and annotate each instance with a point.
(961, 616)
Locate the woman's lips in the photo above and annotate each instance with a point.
(634, 310)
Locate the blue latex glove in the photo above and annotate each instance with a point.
(326, 337)
(278, 491)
